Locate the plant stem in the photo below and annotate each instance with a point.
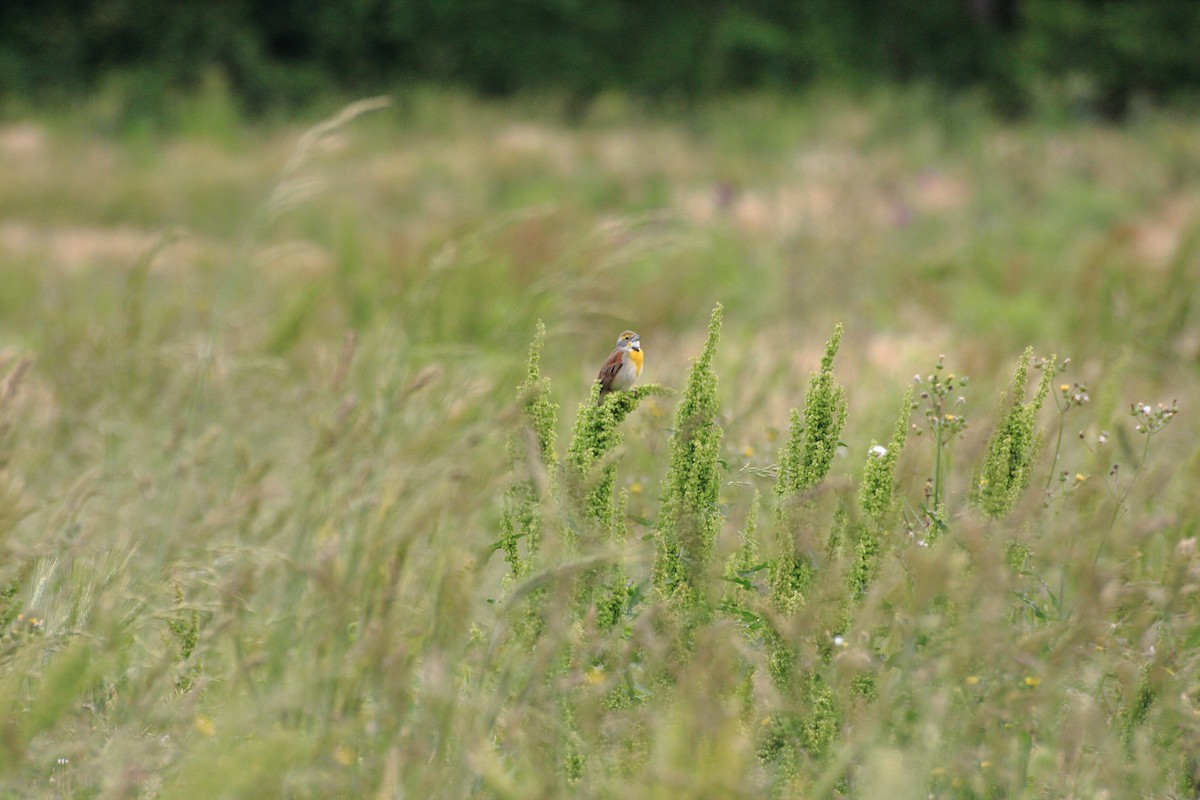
(1121, 494)
(937, 469)
(1062, 423)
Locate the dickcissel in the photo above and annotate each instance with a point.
(622, 367)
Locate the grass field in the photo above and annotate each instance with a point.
(263, 453)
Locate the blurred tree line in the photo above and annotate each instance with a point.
(1106, 53)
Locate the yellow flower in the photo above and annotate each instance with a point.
(594, 676)
(1080, 477)
(205, 726)
(635, 488)
(1032, 680)
(343, 755)
(748, 451)
(1064, 388)
(984, 764)
(972, 680)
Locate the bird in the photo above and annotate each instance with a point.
(622, 367)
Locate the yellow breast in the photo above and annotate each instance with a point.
(636, 357)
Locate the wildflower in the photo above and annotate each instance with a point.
(1080, 477)
(1103, 437)
(635, 488)
(748, 451)
(597, 433)
(534, 393)
(876, 497)
(520, 518)
(1032, 680)
(972, 680)
(813, 440)
(743, 561)
(205, 726)
(689, 521)
(343, 755)
(1152, 421)
(839, 641)
(1013, 445)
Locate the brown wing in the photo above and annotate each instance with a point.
(612, 365)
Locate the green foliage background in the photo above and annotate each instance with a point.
(304, 492)
(1092, 56)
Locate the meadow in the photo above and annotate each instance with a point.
(303, 492)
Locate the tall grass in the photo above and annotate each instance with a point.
(290, 507)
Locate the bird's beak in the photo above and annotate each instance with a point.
(636, 344)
